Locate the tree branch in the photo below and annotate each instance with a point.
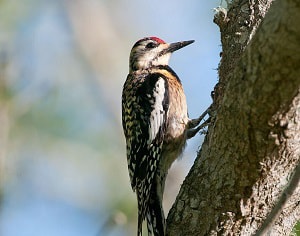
(252, 145)
(286, 195)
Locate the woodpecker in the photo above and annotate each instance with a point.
(156, 125)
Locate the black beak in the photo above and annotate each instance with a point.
(175, 46)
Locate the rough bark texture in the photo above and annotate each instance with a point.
(253, 143)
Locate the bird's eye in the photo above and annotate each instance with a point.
(151, 45)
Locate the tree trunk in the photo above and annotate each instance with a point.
(252, 145)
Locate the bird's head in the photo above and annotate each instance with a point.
(152, 51)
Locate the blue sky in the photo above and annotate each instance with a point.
(65, 167)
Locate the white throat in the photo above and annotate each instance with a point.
(148, 61)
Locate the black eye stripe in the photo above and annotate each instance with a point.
(151, 45)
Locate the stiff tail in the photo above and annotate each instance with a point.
(140, 225)
(153, 211)
(156, 222)
(143, 199)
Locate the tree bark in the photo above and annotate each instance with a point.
(252, 145)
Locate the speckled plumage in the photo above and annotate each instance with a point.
(155, 123)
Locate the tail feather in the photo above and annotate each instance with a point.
(150, 207)
(156, 222)
(149, 225)
(143, 199)
(140, 225)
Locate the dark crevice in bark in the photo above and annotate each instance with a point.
(252, 144)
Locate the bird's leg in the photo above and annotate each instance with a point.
(192, 132)
(195, 122)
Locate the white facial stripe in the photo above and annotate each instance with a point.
(146, 58)
(162, 60)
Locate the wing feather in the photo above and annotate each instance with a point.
(145, 104)
(144, 113)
